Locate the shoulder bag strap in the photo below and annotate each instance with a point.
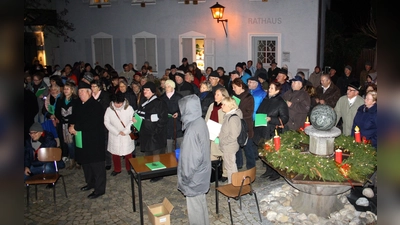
(119, 118)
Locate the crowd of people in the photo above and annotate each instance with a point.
(99, 104)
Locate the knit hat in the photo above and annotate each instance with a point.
(263, 76)
(184, 59)
(151, 86)
(172, 67)
(88, 76)
(253, 78)
(180, 73)
(348, 67)
(36, 127)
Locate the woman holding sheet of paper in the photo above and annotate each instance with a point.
(216, 114)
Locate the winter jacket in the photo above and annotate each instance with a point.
(230, 130)
(366, 120)
(258, 95)
(153, 132)
(299, 108)
(172, 104)
(47, 140)
(88, 118)
(275, 107)
(206, 98)
(194, 167)
(118, 144)
(246, 105)
(331, 95)
(347, 113)
(132, 99)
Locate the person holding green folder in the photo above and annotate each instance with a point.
(88, 118)
(277, 110)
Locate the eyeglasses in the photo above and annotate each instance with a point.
(33, 132)
(351, 89)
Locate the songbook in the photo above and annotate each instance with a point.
(213, 129)
(156, 165)
(78, 139)
(138, 122)
(261, 120)
(40, 91)
(237, 100)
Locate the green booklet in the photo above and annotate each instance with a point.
(236, 99)
(40, 91)
(155, 165)
(51, 109)
(138, 123)
(78, 139)
(260, 120)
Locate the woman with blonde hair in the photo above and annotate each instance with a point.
(216, 114)
(230, 130)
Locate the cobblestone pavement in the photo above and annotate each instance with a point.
(115, 206)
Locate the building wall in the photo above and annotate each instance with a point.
(296, 22)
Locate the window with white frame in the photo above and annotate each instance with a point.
(102, 49)
(197, 48)
(265, 48)
(145, 50)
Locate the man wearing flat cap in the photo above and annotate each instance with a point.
(327, 92)
(38, 139)
(87, 121)
(347, 105)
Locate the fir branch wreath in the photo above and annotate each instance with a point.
(359, 163)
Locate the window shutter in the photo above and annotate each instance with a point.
(187, 49)
(209, 53)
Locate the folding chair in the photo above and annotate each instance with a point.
(46, 155)
(241, 185)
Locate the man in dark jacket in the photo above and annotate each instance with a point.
(194, 167)
(327, 93)
(87, 121)
(153, 132)
(38, 139)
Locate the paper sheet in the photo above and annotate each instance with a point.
(213, 128)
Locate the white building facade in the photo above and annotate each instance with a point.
(290, 32)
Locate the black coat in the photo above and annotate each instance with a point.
(153, 135)
(184, 88)
(132, 99)
(205, 102)
(275, 107)
(31, 108)
(172, 105)
(89, 119)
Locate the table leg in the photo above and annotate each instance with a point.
(133, 192)
(216, 185)
(140, 198)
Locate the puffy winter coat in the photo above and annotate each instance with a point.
(119, 144)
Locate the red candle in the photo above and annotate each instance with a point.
(357, 135)
(338, 156)
(277, 143)
(307, 123)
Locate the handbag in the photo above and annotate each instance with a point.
(280, 128)
(132, 134)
